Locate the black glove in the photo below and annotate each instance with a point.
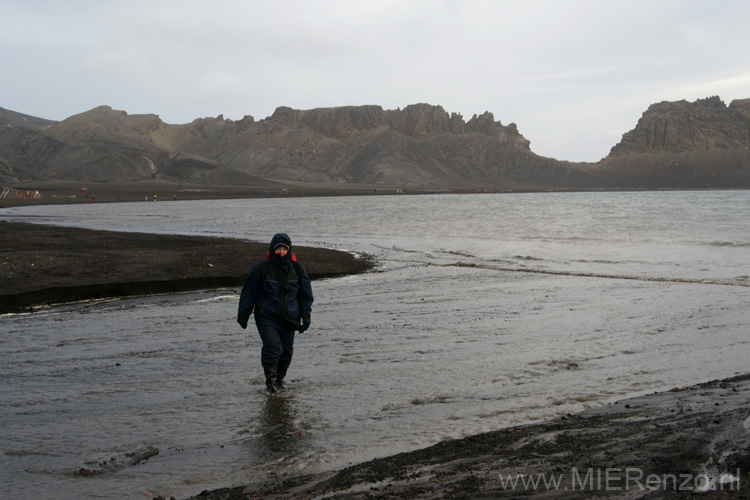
(305, 324)
(242, 319)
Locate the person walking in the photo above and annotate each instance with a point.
(279, 293)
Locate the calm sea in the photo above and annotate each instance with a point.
(485, 311)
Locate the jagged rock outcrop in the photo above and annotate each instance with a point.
(677, 127)
(704, 144)
(674, 145)
(338, 123)
(421, 145)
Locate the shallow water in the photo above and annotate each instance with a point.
(486, 311)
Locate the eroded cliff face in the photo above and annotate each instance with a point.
(677, 127)
(703, 144)
(421, 145)
(417, 120)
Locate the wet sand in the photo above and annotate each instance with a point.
(662, 445)
(42, 265)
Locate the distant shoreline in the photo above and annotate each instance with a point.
(67, 192)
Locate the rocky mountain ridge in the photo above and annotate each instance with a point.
(703, 144)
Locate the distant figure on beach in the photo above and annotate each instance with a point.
(154, 197)
(93, 197)
(279, 292)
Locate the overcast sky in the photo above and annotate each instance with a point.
(574, 75)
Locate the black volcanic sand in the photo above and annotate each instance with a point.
(653, 446)
(42, 265)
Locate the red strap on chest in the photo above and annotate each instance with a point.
(294, 256)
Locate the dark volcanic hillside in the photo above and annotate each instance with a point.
(12, 119)
(701, 144)
(105, 145)
(17, 126)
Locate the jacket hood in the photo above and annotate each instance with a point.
(280, 238)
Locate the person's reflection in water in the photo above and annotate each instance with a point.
(279, 433)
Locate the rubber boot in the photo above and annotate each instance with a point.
(280, 374)
(270, 372)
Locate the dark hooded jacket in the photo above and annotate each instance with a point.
(276, 289)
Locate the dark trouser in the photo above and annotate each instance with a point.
(278, 345)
